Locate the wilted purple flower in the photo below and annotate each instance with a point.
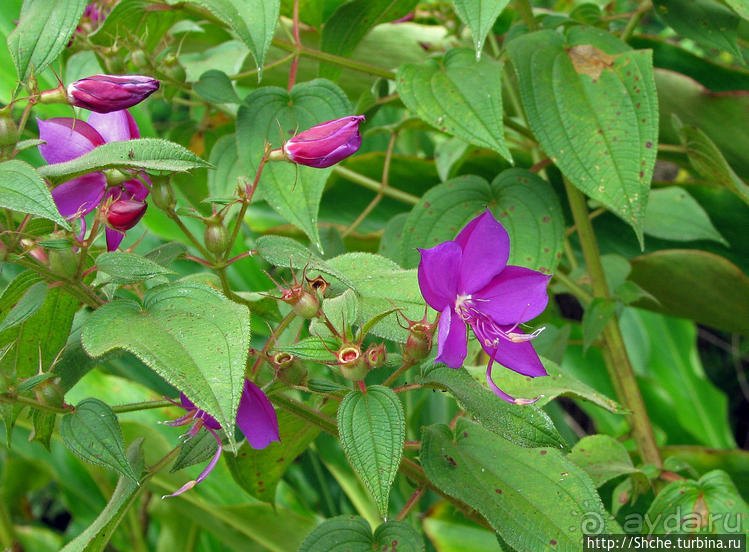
(68, 139)
(255, 417)
(106, 93)
(469, 282)
(325, 144)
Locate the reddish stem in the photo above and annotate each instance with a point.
(298, 43)
(362, 386)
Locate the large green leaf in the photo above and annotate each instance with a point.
(603, 458)
(525, 204)
(458, 95)
(707, 21)
(480, 16)
(372, 428)
(22, 190)
(272, 114)
(134, 18)
(95, 538)
(151, 154)
(352, 21)
(663, 351)
(253, 21)
(591, 103)
(353, 534)
(673, 214)
(190, 334)
(536, 499)
(216, 87)
(740, 6)
(692, 284)
(526, 426)
(43, 32)
(382, 286)
(710, 505)
(92, 433)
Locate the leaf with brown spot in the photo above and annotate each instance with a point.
(589, 60)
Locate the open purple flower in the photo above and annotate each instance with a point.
(469, 282)
(67, 139)
(255, 417)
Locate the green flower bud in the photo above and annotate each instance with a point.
(216, 237)
(162, 194)
(419, 341)
(8, 135)
(288, 369)
(63, 262)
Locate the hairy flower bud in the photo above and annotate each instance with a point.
(419, 341)
(162, 194)
(325, 144)
(351, 363)
(123, 214)
(8, 134)
(288, 369)
(106, 93)
(216, 237)
(375, 355)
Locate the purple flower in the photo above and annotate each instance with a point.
(255, 417)
(469, 282)
(107, 93)
(325, 144)
(68, 139)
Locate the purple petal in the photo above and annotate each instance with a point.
(114, 238)
(486, 248)
(136, 189)
(256, 417)
(452, 344)
(66, 139)
(514, 296)
(116, 126)
(519, 357)
(438, 274)
(79, 196)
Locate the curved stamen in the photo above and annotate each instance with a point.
(498, 391)
(208, 469)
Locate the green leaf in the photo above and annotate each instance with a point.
(194, 450)
(272, 114)
(741, 7)
(449, 530)
(381, 286)
(710, 505)
(189, 334)
(480, 16)
(216, 87)
(131, 19)
(591, 103)
(95, 537)
(43, 32)
(708, 22)
(259, 471)
(525, 426)
(287, 253)
(702, 460)
(342, 311)
(350, 24)
(28, 305)
(536, 499)
(353, 534)
(603, 458)
(595, 318)
(692, 284)
(92, 433)
(312, 348)
(151, 154)
(708, 160)
(223, 181)
(546, 388)
(525, 204)
(372, 429)
(253, 21)
(673, 214)
(663, 352)
(452, 95)
(22, 190)
(128, 267)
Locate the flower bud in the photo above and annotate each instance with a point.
(8, 134)
(105, 93)
(319, 285)
(162, 194)
(419, 341)
(288, 369)
(304, 304)
(325, 144)
(216, 238)
(123, 214)
(50, 393)
(63, 262)
(375, 355)
(351, 363)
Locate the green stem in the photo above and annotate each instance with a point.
(392, 378)
(617, 360)
(186, 231)
(629, 29)
(282, 325)
(336, 60)
(571, 285)
(371, 184)
(7, 531)
(526, 12)
(322, 484)
(78, 289)
(266, 67)
(23, 401)
(145, 405)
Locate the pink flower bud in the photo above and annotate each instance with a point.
(123, 214)
(325, 144)
(105, 93)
